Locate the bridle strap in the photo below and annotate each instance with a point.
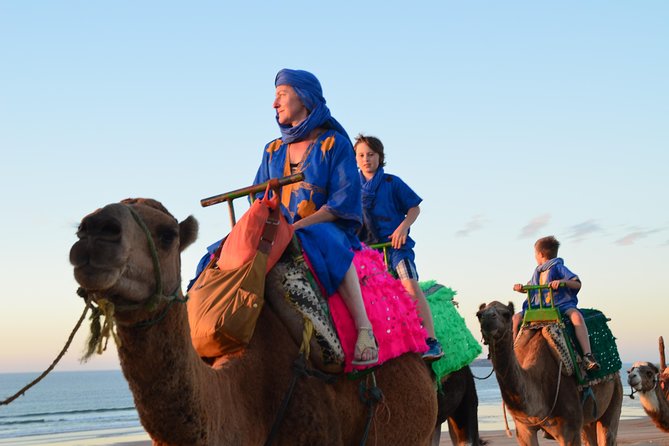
(154, 257)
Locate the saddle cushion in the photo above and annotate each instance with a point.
(602, 342)
(460, 346)
(390, 309)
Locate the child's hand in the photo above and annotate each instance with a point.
(518, 287)
(555, 284)
(399, 237)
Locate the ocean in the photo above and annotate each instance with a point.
(67, 402)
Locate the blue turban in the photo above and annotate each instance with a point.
(309, 91)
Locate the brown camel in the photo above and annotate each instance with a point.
(652, 383)
(183, 401)
(535, 394)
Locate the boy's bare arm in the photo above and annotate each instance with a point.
(399, 236)
(573, 284)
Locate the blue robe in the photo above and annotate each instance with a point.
(330, 181)
(392, 200)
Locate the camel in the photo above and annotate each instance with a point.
(458, 405)
(181, 400)
(652, 383)
(535, 393)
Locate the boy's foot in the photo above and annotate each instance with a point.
(366, 348)
(590, 363)
(434, 350)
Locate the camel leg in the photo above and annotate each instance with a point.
(605, 435)
(458, 433)
(463, 427)
(526, 436)
(463, 422)
(589, 434)
(607, 424)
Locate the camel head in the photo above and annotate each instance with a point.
(113, 257)
(496, 320)
(643, 376)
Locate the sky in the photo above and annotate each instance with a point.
(512, 120)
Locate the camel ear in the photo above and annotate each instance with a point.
(512, 308)
(187, 232)
(482, 306)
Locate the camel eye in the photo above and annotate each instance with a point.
(166, 237)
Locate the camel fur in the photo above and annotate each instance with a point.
(528, 373)
(652, 384)
(181, 400)
(458, 406)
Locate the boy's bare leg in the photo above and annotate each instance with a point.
(580, 329)
(413, 288)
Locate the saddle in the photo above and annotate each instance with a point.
(561, 336)
(295, 295)
(290, 290)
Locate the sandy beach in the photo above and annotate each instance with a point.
(632, 432)
(640, 431)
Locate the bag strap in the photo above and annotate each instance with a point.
(270, 230)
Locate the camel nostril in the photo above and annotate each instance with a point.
(101, 226)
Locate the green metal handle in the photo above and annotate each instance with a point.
(541, 297)
(383, 247)
(539, 287)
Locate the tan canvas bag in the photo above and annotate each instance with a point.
(223, 306)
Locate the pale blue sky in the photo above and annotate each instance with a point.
(513, 120)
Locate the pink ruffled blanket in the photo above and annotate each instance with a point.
(391, 310)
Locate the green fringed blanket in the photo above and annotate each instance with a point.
(460, 346)
(602, 342)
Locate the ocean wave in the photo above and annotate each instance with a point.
(68, 412)
(33, 421)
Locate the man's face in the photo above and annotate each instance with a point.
(289, 108)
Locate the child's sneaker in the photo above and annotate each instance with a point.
(590, 363)
(434, 351)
